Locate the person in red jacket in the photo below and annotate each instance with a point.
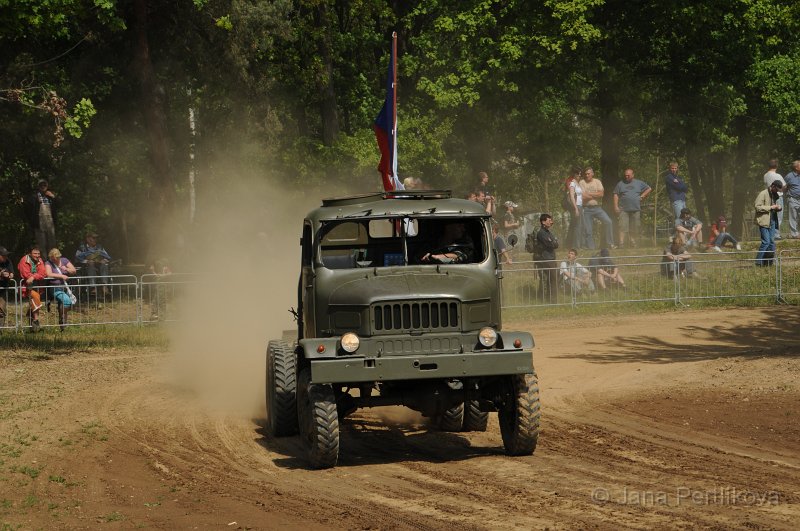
(32, 272)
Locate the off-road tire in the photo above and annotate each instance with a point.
(519, 420)
(319, 421)
(281, 389)
(452, 419)
(474, 418)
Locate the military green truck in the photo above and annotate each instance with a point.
(398, 303)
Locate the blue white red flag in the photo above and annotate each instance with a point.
(386, 127)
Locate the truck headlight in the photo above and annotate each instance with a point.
(487, 336)
(350, 342)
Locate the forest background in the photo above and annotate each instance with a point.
(141, 113)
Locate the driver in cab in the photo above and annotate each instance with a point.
(454, 246)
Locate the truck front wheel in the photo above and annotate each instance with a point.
(281, 389)
(319, 421)
(519, 418)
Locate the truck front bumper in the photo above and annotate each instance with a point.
(353, 369)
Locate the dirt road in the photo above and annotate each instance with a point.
(648, 421)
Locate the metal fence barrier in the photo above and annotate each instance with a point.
(126, 299)
(730, 275)
(789, 275)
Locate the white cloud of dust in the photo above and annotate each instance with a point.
(245, 249)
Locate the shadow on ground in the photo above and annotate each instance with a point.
(777, 335)
(373, 442)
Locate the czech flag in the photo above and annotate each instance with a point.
(386, 127)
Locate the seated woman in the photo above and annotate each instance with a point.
(58, 268)
(719, 236)
(453, 247)
(676, 260)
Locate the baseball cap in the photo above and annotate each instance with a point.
(41, 182)
(777, 183)
(511, 204)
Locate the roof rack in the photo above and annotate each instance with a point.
(395, 194)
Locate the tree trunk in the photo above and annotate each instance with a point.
(697, 182)
(610, 147)
(153, 105)
(325, 88)
(741, 177)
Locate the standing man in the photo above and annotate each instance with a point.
(676, 189)
(767, 219)
(40, 211)
(770, 177)
(792, 190)
(6, 276)
(545, 255)
(593, 193)
(32, 272)
(628, 196)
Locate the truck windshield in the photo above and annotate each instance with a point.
(386, 242)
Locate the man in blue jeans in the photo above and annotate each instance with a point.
(676, 189)
(593, 193)
(767, 209)
(791, 194)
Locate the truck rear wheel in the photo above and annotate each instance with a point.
(281, 391)
(474, 418)
(519, 419)
(452, 419)
(319, 421)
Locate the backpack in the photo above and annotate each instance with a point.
(532, 243)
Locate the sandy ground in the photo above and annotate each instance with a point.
(648, 421)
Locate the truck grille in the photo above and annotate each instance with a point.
(420, 315)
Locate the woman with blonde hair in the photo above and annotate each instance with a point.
(58, 268)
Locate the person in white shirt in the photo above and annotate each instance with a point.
(576, 275)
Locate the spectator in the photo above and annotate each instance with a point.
(792, 190)
(628, 196)
(412, 183)
(500, 246)
(676, 189)
(41, 208)
(767, 219)
(545, 256)
(593, 193)
(510, 223)
(606, 270)
(718, 236)
(32, 272)
(487, 202)
(676, 260)
(6, 279)
(472, 196)
(483, 184)
(58, 270)
(690, 228)
(574, 205)
(575, 275)
(94, 258)
(770, 177)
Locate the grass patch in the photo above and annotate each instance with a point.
(57, 479)
(30, 501)
(41, 346)
(116, 516)
(29, 471)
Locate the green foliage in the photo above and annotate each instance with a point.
(290, 88)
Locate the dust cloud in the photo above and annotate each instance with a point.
(245, 253)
